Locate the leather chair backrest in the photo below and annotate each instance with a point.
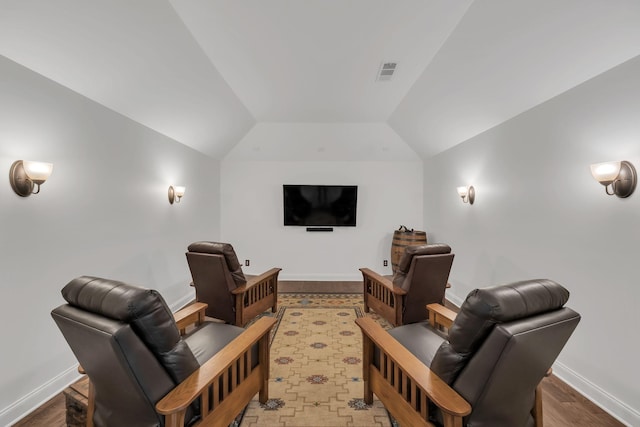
(216, 272)
(128, 343)
(213, 283)
(423, 273)
(230, 257)
(500, 346)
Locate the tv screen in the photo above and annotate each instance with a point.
(320, 205)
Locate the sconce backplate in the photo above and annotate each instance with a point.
(625, 184)
(20, 183)
(172, 194)
(471, 194)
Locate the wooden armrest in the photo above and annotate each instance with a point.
(191, 314)
(370, 274)
(187, 391)
(81, 370)
(255, 280)
(440, 315)
(439, 392)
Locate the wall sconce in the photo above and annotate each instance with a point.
(468, 194)
(618, 178)
(175, 193)
(25, 175)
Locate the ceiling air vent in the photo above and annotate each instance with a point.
(387, 68)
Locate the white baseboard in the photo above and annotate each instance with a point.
(26, 404)
(454, 299)
(182, 301)
(617, 409)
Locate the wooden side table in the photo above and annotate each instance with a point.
(76, 398)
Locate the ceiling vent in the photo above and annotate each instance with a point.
(386, 71)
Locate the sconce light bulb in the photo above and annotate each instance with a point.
(179, 191)
(468, 194)
(605, 173)
(38, 172)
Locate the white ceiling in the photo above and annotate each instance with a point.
(204, 72)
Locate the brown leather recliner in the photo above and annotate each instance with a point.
(143, 372)
(220, 283)
(485, 372)
(421, 279)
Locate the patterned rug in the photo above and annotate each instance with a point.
(316, 366)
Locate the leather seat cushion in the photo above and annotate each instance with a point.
(420, 339)
(209, 338)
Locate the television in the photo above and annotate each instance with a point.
(320, 205)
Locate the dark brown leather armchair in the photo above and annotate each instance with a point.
(143, 372)
(421, 279)
(220, 283)
(485, 372)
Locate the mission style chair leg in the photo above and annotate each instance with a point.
(365, 299)
(91, 404)
(91, 400)
(537, 407)
(263, 356)
(367, 352)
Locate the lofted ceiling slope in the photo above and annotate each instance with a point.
(271, 80)
(506, 57)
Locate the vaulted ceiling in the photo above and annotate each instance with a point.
(214, 74)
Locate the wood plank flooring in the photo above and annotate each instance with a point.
(51, 414)
(563, 407)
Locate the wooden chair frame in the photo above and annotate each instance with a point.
(259, 294)
(231, 367)
(382, 296)
(403, 383)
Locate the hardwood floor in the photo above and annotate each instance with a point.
(51, 414)
(562, 407)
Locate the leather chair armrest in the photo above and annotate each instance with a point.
(453, 406)
(439, 315)
(192, 314)
(372, 275)
(174, 405)
(257, 279)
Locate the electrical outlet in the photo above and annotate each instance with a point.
(246, 263)
(385, 263)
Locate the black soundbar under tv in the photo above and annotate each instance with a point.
(319, 228)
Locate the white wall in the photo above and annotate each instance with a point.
(539, 214)
(389, 194)
(104, 212)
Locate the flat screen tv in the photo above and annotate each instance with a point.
(320, 205)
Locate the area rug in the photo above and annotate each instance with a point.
(316, 366)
